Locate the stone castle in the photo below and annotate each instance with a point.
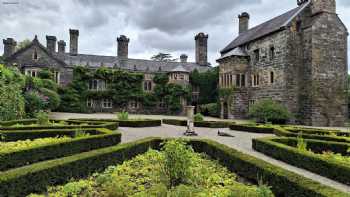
(34, 57)
(298, 59)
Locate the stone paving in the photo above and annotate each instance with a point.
(242, 141)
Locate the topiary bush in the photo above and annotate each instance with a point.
(34, 103)
(198, 117)
(268, 110)
(52, 99)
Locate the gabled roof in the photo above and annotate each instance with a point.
(235, 52)
(266, 28)
(36, 42)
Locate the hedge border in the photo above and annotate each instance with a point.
(251, 128)
(59, 171)
(124, 123)
(279, 131)
(62, 149)
(316, 131)
(291, 155)
(205, 124)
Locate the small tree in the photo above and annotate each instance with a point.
(163, 57)
(268, 110)
(23, 44)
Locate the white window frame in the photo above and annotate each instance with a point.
(90, 103)
(97, 85)
(57, 77)
(255, 80)
(33, 72)
(107, 103)
(133, 105)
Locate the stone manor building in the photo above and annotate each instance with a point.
(36, 56)
(298, 59)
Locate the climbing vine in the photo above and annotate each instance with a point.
(122, 87)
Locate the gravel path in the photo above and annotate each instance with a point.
(242, 142)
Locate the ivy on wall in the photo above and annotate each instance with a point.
(122, 87)
(207, 83)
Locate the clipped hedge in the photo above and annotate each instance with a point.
(36, 177)
(13, 122)
(59, 171)
(291, 155)
(283, 182)
(317, 146)
(252, 128)
(56, 150)
(207, 124)
(124, 123)
(317, 131)
(279, 131)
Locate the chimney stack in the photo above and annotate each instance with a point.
(61, 47)
(202, 49)
(51, 43)
(123, 46)
(320, 6)
(73, 45)
(9, 47)
(183, 58)
(243, 22)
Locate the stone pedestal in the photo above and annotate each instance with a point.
(190, 121)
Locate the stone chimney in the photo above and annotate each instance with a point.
(243, 22)
(202, 49)
(123, 46)
(73, 45)
(61, 46)
(320, 6)
(183, 58)
(51, 43)
(9, 47)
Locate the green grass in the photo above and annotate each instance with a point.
(143, 176)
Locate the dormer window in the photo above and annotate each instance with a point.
(35, 55)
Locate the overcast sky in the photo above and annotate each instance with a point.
(152, 25)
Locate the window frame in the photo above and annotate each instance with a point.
(107, 103)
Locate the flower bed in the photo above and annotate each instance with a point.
(285, 150)
(59, 171)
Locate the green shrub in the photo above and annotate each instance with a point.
(177, 162)
(301, 145)
(123, 115)
(303, 159)
(52, 99)
(198, 117)
(211, 109)
(49, 84)
(269, 111)
(12, 105)
(43, 118)
(33, 103)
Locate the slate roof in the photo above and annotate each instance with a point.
(234, 52)
(96, 61)
(179, 68)
(264, 29)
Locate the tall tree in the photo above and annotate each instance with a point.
(23, 44)
(164, 57)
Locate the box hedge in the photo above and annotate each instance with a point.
(314, 163)
(207, 124)
(124, 123)
(279, 131)
(284, 183)
(32, 155)
(252, 128)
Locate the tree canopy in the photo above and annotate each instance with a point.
(164, 57)
(23, 44)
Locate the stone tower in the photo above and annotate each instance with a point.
(324, 67)
(73, 45)
(61, 46)
(202, 49)
(123, 47)
(51, 43)
(243, 22)
(9, 47)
